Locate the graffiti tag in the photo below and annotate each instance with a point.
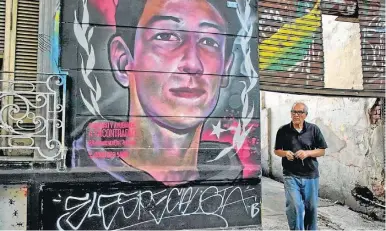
(154, 207)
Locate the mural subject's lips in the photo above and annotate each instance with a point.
(185, 92)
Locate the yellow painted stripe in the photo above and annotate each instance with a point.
(289, 28)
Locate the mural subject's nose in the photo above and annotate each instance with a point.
(191, 63)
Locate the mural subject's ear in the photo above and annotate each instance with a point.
(121, 60)
(228, 67)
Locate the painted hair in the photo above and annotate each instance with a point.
(129, 12)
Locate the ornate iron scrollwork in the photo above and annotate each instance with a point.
(33, 111)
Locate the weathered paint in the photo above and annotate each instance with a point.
(55, 41)
(340, 7)
(372, 26)
(377, 111)
(342, 54)
(290, 43)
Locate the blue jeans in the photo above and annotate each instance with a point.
(301, 202)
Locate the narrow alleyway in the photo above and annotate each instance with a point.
(331, 216)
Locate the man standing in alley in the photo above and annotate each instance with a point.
(299, 143)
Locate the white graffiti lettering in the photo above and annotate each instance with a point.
(145, 207)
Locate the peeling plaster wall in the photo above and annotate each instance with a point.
(342, 54)
(352, 171)
(355, 156)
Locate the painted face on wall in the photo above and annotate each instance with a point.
(180, 64)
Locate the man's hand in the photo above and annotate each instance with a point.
(301, 154)
(290, 156)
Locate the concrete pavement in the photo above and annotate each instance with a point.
(331, 216)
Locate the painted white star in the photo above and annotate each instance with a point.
(217, 130)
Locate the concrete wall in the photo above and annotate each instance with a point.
(342, 54)
(352, 171)
(354, 161)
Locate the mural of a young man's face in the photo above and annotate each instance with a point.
(175, 70)
(187, 68)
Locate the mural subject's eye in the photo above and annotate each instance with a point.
(166, 37)
(209, 42)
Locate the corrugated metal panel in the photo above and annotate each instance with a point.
(290, 43)
(26, 52)
(2, 25)
(340, 7)
(372, 26)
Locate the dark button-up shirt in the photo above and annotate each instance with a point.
(309, 138)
